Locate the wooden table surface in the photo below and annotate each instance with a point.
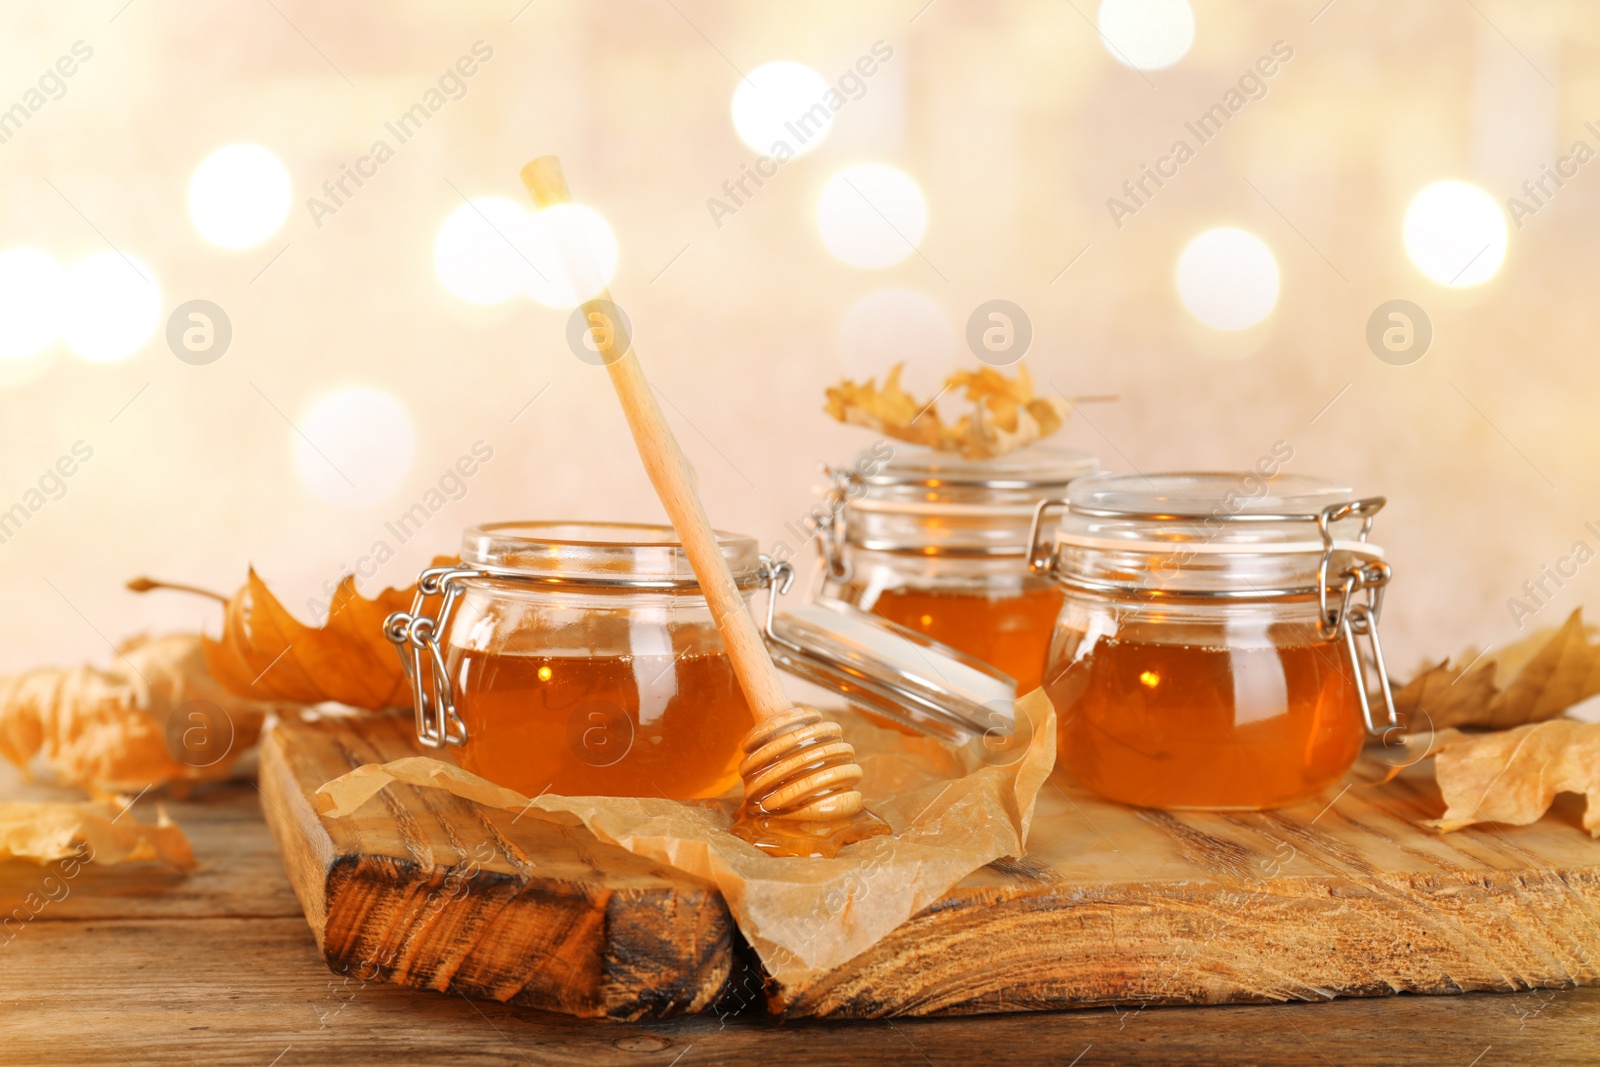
(141, 965)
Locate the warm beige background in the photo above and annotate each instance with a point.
(1017, 124)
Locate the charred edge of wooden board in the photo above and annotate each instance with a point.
(570, 945)
(748, 986)
(638, 927)
(539, 944)
(992, 950)
(578, 948)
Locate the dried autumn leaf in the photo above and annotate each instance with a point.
(155, 716)
(1005, 415)
(891, 409)
(1512, 776)
(88, 832)
(1532, 680)
(266, 653)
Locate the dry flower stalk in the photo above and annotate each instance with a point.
(156, 716)
(1534, 680)
(1005, 416)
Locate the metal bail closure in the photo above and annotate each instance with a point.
(831, 533)
(889, 670)
(1361, 620)
(1042, 559)
(1358, 619)
(415, 636)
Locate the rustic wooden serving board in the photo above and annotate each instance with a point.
(425, 889)
(1346, 896)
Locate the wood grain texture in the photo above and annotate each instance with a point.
(130, 977)
(253, 993)
(431, 891)
(1345, 896)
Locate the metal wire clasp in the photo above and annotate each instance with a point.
(779, 576)
(416, 635)
(1358, 619)
(1041, 559)
(831, 526)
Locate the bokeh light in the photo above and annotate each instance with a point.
(31, 291)
(1146, 34)
(111, 306)
(492, 250)
(483, 253)
(871, 215)
(1455, 233)
(782, 102)
(355, 447)
(239, 196)
(1228, 279)
(579, 251)
(893, 326)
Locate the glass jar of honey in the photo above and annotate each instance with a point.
(579, 659)
(1215, 638)
(935, 543)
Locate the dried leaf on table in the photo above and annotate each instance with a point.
(89, 833)
(1512, 776)
(155, 716)
(266, 653)
(1005, 416)
(1532, 680)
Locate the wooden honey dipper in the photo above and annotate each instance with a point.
(799, 773)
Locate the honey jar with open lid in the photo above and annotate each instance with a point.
(583, 659)
(935, 542)
(1216, 637)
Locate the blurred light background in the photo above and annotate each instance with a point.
(341, 182)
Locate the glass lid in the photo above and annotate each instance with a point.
(1038, 466)
(1199, 493)
(617, 550)
(1209, 511)
(888, 669)
(916, 478)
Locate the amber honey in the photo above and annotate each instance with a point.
(1008, 632)
(603, 725)
(1193, 726)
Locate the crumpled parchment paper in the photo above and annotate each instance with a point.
(952, 811)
